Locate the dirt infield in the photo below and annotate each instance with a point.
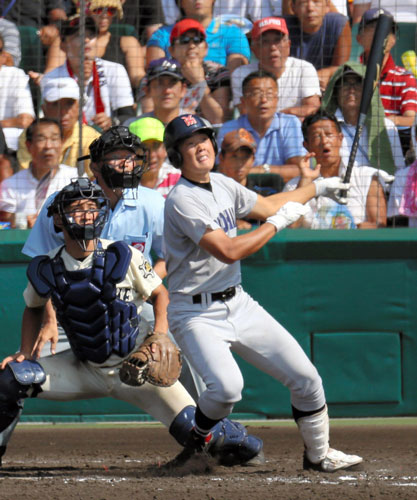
(123, 462)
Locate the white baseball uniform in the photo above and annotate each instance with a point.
(208, 330)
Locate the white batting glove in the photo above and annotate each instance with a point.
(287, 214)
(331, 187)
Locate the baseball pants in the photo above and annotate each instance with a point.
(207, 333)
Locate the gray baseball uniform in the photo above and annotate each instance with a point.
(207, 324)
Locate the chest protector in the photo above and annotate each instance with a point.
(96, 321)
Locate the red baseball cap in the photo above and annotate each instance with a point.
(186, 25)
(266, 24)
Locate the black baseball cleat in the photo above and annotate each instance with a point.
(335, 460)
(196, 446)
(2, 452)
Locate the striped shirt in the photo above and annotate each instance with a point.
(398, 89)
(168, 176)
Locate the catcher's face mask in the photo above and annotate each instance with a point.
(123, 168)
(82, 208)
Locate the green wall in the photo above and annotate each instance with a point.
(347, 296)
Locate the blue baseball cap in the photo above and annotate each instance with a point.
(372, 15)
(164, 66)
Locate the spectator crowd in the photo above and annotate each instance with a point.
(279, 81)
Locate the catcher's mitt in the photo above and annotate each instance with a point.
(162, 367)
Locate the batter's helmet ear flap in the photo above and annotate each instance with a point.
(175, 157)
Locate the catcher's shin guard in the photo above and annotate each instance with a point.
(230, 442)
(183, 424)
(232, 445)
(315, 432)
(15, 381)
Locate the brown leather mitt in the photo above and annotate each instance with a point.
(161, 368)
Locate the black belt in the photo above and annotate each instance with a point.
(223, 296)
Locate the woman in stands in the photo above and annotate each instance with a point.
(112, 46)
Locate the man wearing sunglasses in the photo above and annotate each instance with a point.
(227, 44)
(208, 82)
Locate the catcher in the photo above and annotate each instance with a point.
(97, 288)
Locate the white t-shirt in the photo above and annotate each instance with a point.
(299, 80)
(362, 153)
(15, 96)
(15, 99)
(404, 11)
(189, 211)
(317, 217)
(17, 193)
(115, 88)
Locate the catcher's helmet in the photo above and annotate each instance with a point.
(119, 137)
(182, 127)
(80, 189)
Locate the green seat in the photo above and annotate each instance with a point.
(32, 53)
(406, 40)
(123, 30)
(357, 49)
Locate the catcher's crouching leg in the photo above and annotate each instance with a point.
(15, 381)
(230, 442)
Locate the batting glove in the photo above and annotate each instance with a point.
(287, 214)
(331, 187)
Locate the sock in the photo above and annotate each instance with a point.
(203, 424)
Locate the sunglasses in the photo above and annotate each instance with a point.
(185, 39)
(110, 11)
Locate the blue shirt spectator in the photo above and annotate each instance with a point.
(282, 141)
(223, 40)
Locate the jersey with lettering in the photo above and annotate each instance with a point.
(190, 210)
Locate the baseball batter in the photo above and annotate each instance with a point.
(97, 288)
(210, 314)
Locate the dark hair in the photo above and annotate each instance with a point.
(41, 121)
(261, 73)
(321, 114)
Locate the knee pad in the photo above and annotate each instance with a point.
(182, 424)
(17, 378)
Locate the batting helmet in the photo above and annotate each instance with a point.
(182, 127)
(119, 137)
(81, 189)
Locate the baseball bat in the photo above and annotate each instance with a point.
(372, 74)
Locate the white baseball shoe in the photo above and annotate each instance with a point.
(335, 460)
